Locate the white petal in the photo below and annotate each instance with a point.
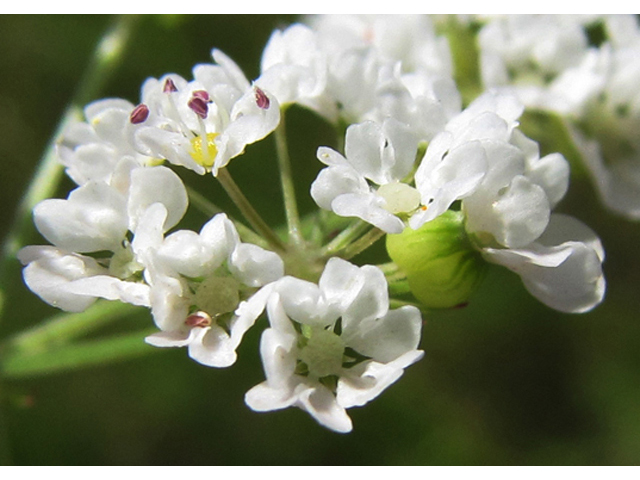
(149, 232)
(170, 302)
(232, 70)
(264, 398)
(370, 208)
(321, 404)
(372, 300)
(211, 346)
(255, 266)
(169, 339)
(567, 276)
(249, 123)
(156, 185)
(247, 313)
(111, 288)
(367, 380)
(334, 181)
(302, 301)
(49, 270)
(93, 218)
(387, 338)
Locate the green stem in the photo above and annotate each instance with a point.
(78, 355)
(48, 173)
(210, 209)
(288, 189)
(61, 329)
(364, 242)
(245, 207)
(344, 238)
(389, 268)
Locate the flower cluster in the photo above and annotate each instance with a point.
(451, 184)
(583, 68)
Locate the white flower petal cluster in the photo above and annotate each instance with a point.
(336, 69)
(100, 150)
(205, 287)
(334, 345)
(550, 64)
(530, 48)
(204, 123)
(411, 154)
(98, 218)
(508, 209)
(382, 154)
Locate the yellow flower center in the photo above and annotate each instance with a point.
(204, 156)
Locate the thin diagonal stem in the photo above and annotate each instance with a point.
(345, 237)
(247, 210)
(288, 188)
(210, 209)
(48, 174)
(364, 242)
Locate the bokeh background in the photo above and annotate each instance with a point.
(505, 380)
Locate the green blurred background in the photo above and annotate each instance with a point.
(504, 381)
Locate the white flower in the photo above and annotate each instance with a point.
(97, 216)
(207, 289)
(382, 154)
(334, 345)
(457, 159)
(410, 39)
(100, 150)
(562, 268)
(530, 47)
(294, 69)
(205, 123)
(73, 282)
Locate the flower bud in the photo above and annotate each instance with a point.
(442, 267)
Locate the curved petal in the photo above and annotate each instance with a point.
(334, 181)
(367, 380)
(49, 271)
(156, 185)
(321, 404)
(255, 266)
(93, 218)
(567, 276)
(370, 208)
(387, 338)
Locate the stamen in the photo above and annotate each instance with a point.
(169, 86)
(261, 99)
(198, 319)
(139, 114)
(199, 106)
(202, 94)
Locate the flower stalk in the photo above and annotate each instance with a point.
(247, 210)
(288, 188)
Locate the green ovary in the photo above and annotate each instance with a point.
(218, 295)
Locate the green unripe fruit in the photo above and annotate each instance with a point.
(442, 267)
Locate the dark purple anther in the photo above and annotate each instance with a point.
(262, 100)
(199, 106)
(198, 319)
(169, 86)
(139, 114)
(202, 94)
